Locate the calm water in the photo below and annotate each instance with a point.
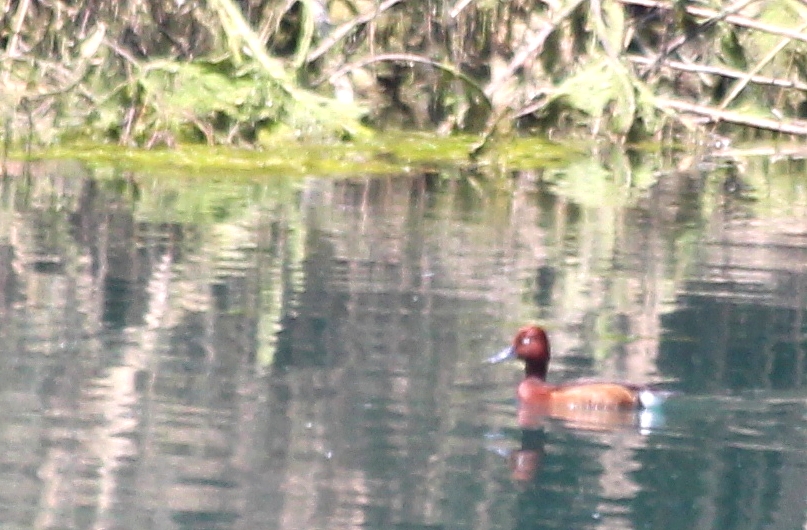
(299, 355)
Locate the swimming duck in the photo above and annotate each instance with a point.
(531, 345)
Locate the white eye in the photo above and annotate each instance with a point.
(526, 340)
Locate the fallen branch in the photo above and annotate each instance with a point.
(737, 20)
(410, 58)
(742, 83)
(797, 127)
(704, 26)
(239, 33)
(774, 152)
(723, 72)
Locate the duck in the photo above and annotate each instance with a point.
(590, 400)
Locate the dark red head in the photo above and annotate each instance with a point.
(531, 343)
(531, 346)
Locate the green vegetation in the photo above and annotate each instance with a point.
(253, 73)
(383, 154)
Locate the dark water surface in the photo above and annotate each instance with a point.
(299, 355)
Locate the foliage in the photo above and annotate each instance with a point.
(107, 81)
(248, 72)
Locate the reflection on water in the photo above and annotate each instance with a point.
(299, 355)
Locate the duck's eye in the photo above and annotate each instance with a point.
(525, 341)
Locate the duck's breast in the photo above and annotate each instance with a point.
(534, 391)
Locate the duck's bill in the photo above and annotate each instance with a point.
(504, 355)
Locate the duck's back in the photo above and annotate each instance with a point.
(591, 395)
(596, 396)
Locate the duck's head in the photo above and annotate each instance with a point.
(531, 345)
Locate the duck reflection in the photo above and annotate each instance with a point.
(533, 416)
(525, 462)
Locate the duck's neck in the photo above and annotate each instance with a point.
(536, 368)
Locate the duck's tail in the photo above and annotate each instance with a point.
(653, 397)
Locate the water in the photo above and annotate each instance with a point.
(310, 354)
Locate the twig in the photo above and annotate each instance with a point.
(724, 72)
(343, 30)
(787, 127)
(458, 7)
(122, 52)
(19, 16)
(535, 44)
